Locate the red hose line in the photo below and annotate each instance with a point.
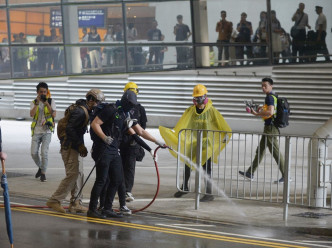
(133, 211)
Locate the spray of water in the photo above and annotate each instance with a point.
(214, 186)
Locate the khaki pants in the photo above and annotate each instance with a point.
(272, 143)
(70, 158)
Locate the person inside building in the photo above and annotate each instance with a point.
(71, 130)
(301, 21)
(182, 33)
(267, 112)
(43, 112)
(202, 116)
(224, 29)
(107, 129)
(320, 28)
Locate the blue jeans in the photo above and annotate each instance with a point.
(43, 139)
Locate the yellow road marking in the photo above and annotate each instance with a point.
(158, 229)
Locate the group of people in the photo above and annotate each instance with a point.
(300, 43)
(116, 130)
(114, 127)
(110, 57)
(42, 60)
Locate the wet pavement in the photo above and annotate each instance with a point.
(38, 227)
(168, 222)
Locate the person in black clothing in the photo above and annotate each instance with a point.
(154, 34)
(245, 31)
(108, 127)
(72, 146)
(182, 33)
(129, 149)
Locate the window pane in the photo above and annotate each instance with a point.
(12, 2)
(235, 29)
(95, 59)
(4, 62)
(304, 46)
(144, 58)
(3, 26)
(37, 61)
(155, 22)
(259, 55)
(95, 23)
(2, 2)
(38, 25)
(79, 1)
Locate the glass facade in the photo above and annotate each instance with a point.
(70, 37)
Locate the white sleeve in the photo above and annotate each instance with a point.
(32, 105)
(53, 104)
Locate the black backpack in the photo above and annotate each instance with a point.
(283, 111)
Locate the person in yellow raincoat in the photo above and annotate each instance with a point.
(203, 116)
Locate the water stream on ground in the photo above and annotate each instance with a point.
(214, 186)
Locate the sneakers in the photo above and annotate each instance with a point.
(38, 173)
(207, 198)
(95, 214)
(111, 214)
(76, 207)
(181, 193)
(43, 178)
(129, 197)
(125, 210)
(282, 180)
(247, 175)
(56, 206)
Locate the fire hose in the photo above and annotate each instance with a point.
(133, 211)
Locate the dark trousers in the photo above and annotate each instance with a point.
(206, 168)
(109, 166)
(182, 57)
(298, 45)
(321, 46)
(156, 52)
(239, 50)
(128, 157)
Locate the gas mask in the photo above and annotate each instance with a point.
(128, 101)
(200, 100)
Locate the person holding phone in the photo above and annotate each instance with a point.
(43, 112)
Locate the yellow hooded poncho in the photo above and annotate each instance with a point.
(209, 119)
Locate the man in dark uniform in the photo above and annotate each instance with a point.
(129, 149)
(108, 127)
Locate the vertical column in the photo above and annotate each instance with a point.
(201, 32)
(70, 30)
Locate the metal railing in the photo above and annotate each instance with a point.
(307, 167)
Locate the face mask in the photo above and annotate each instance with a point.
(200, 100)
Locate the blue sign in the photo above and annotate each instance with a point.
(86, 18)
(91, 17)
(56, 18)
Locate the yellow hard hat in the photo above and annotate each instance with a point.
(199, 90)
(131, 86)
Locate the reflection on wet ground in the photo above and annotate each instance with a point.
(35, 227)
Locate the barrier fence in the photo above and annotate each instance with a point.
(307, 167)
